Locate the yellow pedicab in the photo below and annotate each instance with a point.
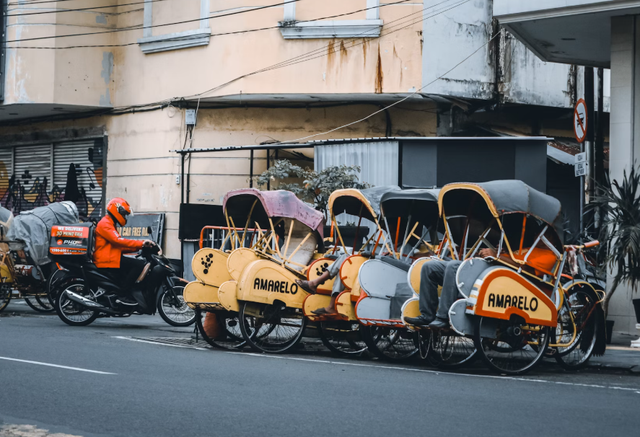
(209, 266)
(341, 331)
(510, 302)
(263, 288)
(410, 218)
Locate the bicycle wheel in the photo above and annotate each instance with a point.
(36, 304)
(450, 350)
(275, 330)
(390, 343)
(230, 338)
(342, 338)
(579, 317)
(510, 346)
(5, 296)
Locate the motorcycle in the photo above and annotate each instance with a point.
(85, 292)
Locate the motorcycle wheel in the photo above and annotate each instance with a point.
(70, 312)
(173, 309)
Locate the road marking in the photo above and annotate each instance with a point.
(408, 369)
(77, 369)
(137, 340)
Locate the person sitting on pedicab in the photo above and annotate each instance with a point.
(443, 272)
(338, 287)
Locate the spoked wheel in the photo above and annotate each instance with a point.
(229, 335)
(577, 316)
(390, 343)
(173, 309)
(342, 337)
(71, 312)
(510, 347)
(53, 284)
(5, 296)
(450, 350)
(39, 303)
(274, 328)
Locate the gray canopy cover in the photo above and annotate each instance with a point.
(34, 227)
(515, 196)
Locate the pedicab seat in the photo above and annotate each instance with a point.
(395, 262)
(302, 244)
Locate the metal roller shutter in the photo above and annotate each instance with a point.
(32, 169)
(86, 157)
(6, 170)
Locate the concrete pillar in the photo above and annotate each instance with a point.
(625, 133)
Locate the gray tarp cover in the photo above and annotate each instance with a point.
(421, 204)
(34, 227)
(509, 196)
(6, 218)
(351, 205)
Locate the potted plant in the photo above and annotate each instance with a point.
(619, 206)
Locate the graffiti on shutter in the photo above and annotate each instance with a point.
(33, 176)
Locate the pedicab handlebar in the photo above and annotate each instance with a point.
(587, 245)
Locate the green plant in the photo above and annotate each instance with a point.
(619, 206)
(309, 185)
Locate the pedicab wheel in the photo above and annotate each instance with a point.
(342, 337)
(230, 337)
(73, 313)
(513, 348)
(38, 304)
(450, 350)
(173, 309)
(276, 330)
(5, 296)
(390, 343)
(53, 284)
(579, 317)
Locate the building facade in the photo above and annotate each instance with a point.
(101, 88)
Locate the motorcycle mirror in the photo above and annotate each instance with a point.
(149, 230)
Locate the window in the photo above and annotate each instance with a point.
(195, 32)
(366, 24)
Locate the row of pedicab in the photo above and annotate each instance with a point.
(248, 292)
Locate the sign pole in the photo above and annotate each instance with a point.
(580, 126)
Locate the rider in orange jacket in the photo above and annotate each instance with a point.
(110, 246)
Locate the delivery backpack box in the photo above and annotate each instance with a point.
(72, 241)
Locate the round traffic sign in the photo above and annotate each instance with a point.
(580, 120)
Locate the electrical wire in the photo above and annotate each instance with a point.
(60, 11)
(395, 103)
(236, 32)
(153, 26)
(298, 59)
(326, 50)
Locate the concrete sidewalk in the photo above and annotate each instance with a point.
(619, 355)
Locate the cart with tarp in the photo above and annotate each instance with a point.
(25, 268)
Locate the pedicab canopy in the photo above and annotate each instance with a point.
(509, 201)
(361, 203)
(420, 204)
(262, 205)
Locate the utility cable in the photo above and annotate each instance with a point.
(395, 103)
(60, 11)
(153, 26)
(236, 32)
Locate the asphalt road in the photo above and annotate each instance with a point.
(112, 385)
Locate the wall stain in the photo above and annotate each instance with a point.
(379, 75)
(330, 52)
(365, 43)
(343, 51)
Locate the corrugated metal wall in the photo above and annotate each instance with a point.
(378, 160)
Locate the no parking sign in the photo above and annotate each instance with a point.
(580, 120)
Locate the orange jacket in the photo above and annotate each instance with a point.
(110, 245)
